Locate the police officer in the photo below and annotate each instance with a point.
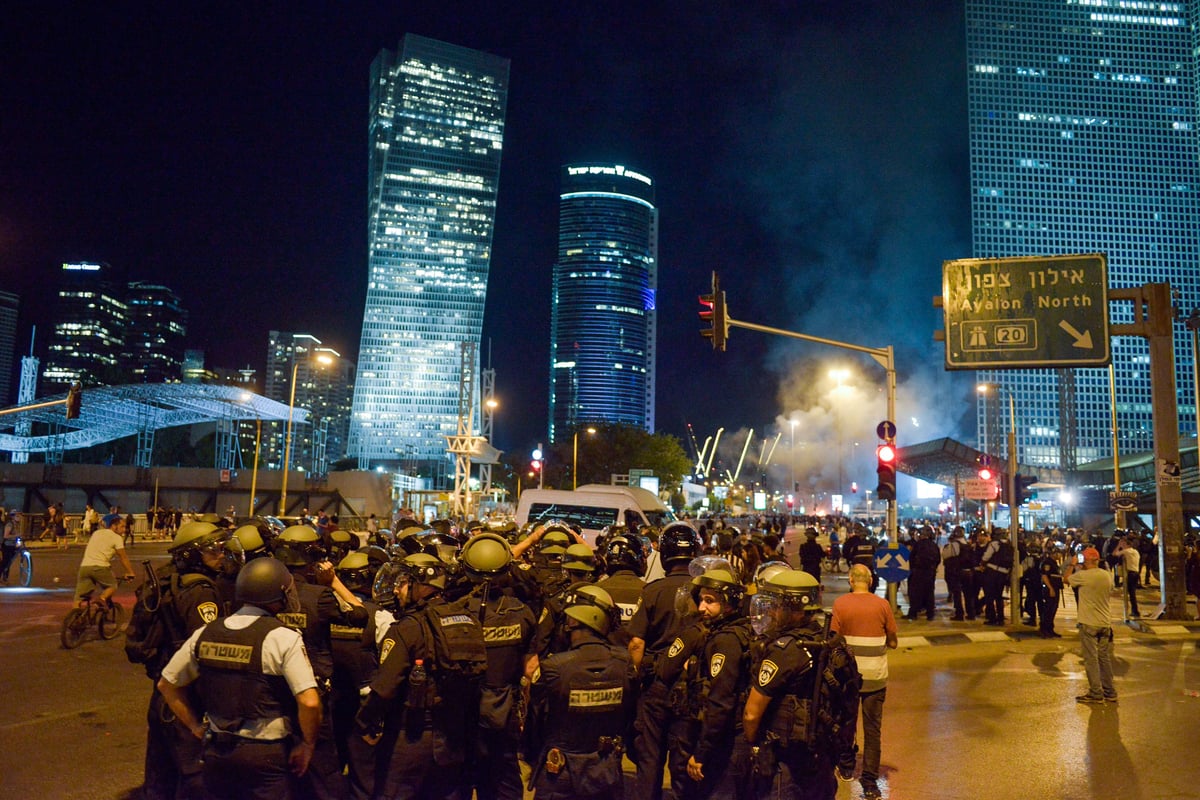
(624, 567)
(996, 562)
(422, 725)
(190, 595)
(509, 629)
(355, 652)
(718, 761)
(793, 757)
(653, 630)
(581, 705)
(256, 692)
(299, 548)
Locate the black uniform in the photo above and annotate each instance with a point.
(656, 623)
(719, 746)
(861, 550)
(996, 562)
(1050, 597)
(957, 567)
(810, 558)
(625, 588)
(509, 632)
(925, 560)
(429, 728)
(580, 708)
(355, 662)
(172, 765)
(319, 611)
(786, 765)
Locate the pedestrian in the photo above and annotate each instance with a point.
(1127, 551)
(1095, 585)
(811, 554)
(869, 626)
(792, 759)
(258, 706)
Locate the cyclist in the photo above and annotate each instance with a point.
(95, 570)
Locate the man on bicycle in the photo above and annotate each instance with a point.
(95, 570)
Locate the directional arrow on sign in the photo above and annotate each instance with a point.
(1082, 340)
(891, 560)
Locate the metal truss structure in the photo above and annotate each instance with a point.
(109, 413)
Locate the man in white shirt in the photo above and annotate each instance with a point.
(1131, 559)
(95, 569)
(1095, 626)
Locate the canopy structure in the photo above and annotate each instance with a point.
(108, 413)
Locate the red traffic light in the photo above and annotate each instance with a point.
(886, 453)
(985, 474)
(535, 465)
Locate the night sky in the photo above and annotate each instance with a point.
(815, 153)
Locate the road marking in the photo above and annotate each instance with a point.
(987, 636)
(53, 718)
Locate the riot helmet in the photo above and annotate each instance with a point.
(592, 607)
(723, 582)
(205, 548)
(267, 584)
(485, 556)
(784, 599)
(441, 546)
(579, 560)
(252, 541)
(622, 553)
(299, 546)
(678, 542)
(355, 572)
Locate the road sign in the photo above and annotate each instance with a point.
(891, 563)
(979, 489)
(1122, 501)
(1012, 313)
(886, 430)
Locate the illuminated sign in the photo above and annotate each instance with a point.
(617, 170)
(83, 266)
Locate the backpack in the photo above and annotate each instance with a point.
(1003, 557)
(156, 629)
(834, 724)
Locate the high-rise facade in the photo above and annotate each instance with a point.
(9, 306)
(603, 323)
(436, 127)
(324, 386)
(1083, 140)
(87, 338)
(155, 335)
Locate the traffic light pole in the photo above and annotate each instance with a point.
(884, 356)
(1014, 516)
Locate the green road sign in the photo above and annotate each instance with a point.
(1044, 311)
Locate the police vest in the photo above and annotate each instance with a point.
(589, 698)
(307, 622)
(353, 650)
(232, 685)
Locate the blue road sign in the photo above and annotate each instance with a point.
(891, 563)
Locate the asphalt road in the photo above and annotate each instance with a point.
(992, 720)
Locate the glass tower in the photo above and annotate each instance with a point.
(87, 339)
(602, 324)
(436, 129)
(155, 334)
(1083, 140)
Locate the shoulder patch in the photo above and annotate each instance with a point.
(386, 648)
(207, 611)
(676, 648)
(714, 666)
(766, 672)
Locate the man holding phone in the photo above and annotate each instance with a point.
(1095, 626)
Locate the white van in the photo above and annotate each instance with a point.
(593, 507)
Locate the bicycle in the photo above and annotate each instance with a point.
(23, 558)
(107, 617)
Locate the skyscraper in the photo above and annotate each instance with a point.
(603, 324)
(87, 339)
(324, 386)
(1083, 140)
(436, 130)
(154, 338)
(9, 305)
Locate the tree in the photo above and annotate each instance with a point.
(614, 449)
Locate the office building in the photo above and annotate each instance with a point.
(436, 127)
(155, 334)
(9, 306)
(1083, 140)
(87, 337)
(324, 386)
(603, 323)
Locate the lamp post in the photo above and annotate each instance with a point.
(257, 450)
(287, 437)
(1014, 514)
(840, 376)
(575, 457)
(792, 448)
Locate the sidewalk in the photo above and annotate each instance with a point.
(942, 631)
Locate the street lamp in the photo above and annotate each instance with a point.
(575, 456)
(839, 375)
(792, 447)
(321, 360)
(257, 448)
(1014, 502)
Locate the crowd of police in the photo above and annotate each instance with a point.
(433, 662)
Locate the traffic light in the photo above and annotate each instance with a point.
(1024, 492)
(714, 313)
(985, 468)
(885, 454)
(74, 400)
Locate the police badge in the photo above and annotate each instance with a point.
(714, 666)
(766, 672)
(207, 611)
(676, 648)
